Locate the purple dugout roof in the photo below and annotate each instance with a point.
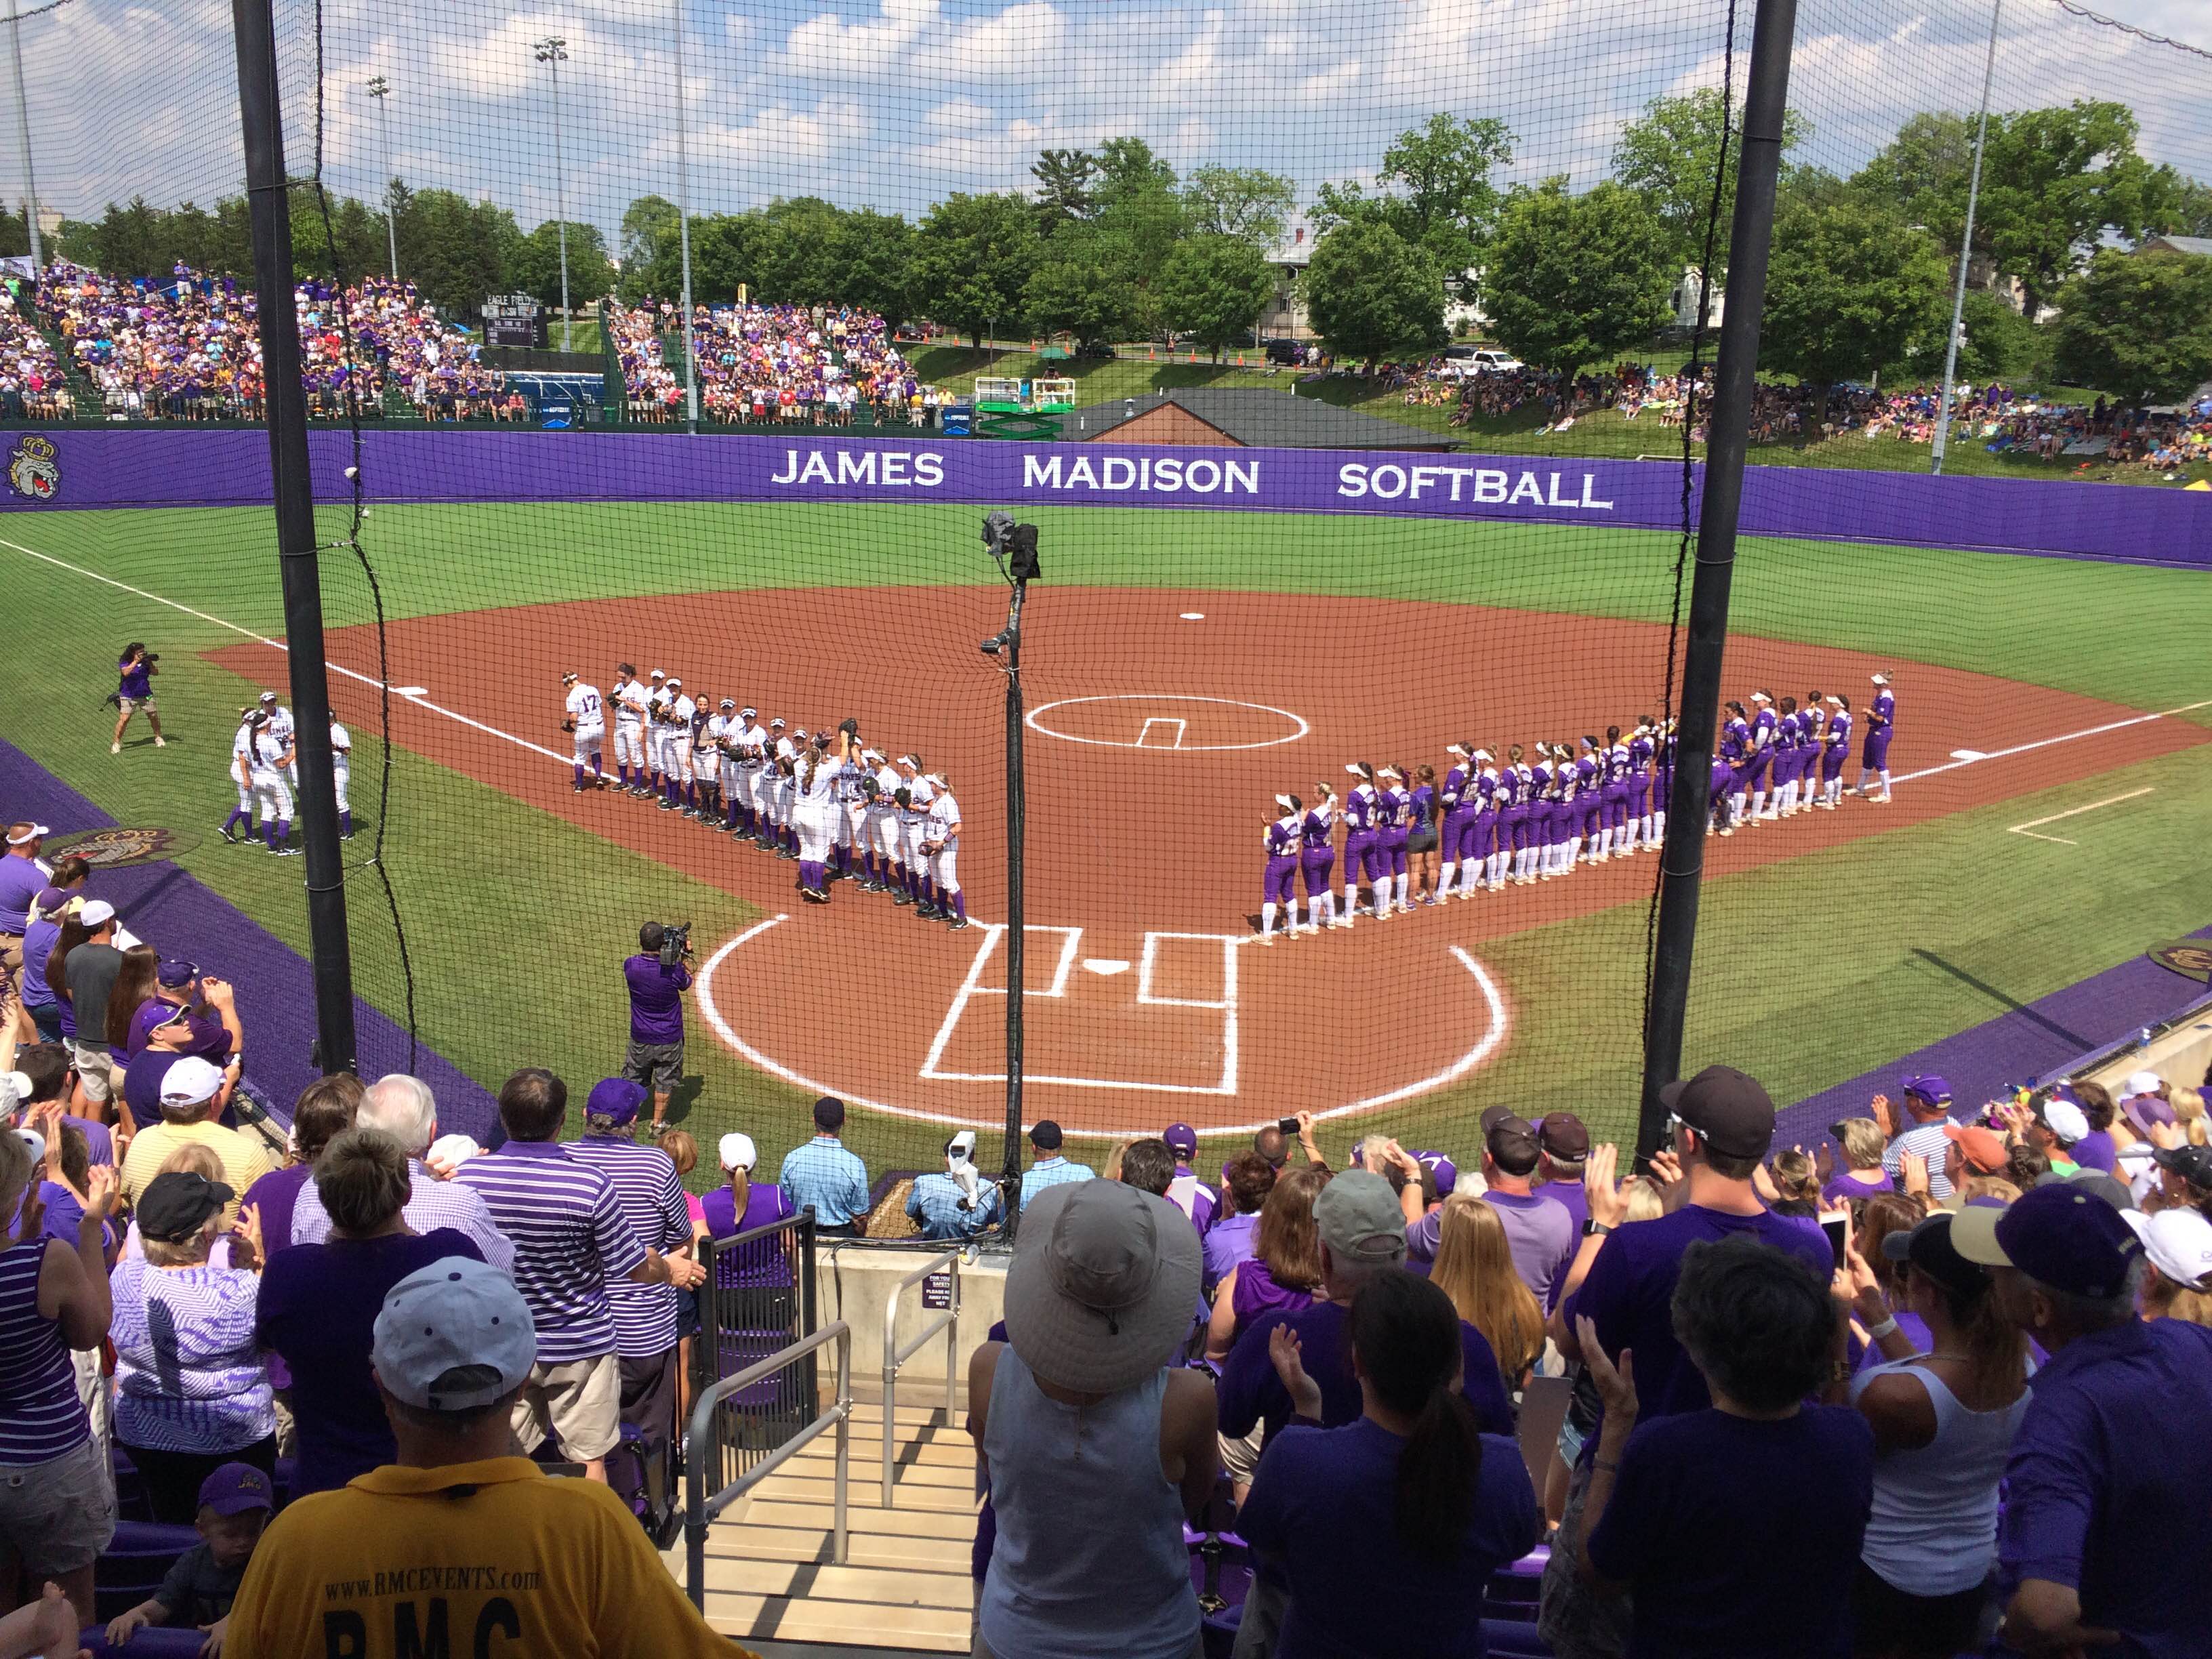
(158, 467)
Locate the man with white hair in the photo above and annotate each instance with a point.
(404, 1109)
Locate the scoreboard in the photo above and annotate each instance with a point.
(515, 319)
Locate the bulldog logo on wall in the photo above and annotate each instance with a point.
(33, 472)
(122, 844)
(2192, 958)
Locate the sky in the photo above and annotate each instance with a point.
(894, 103)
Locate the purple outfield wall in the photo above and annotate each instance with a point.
(143, 467)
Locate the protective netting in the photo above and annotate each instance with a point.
(1343, 357)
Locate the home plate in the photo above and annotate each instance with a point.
(1104, 965)
(1968, 755)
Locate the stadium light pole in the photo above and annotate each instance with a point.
(379, 89)
(23, 136)
(1766, 100)
(683, 235)
(552, 52)
(1965, 251)
(260, 111)
(1014, 546)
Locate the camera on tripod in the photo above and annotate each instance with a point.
(675, 943)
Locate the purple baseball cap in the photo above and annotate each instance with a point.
(1181, 1139)
(2064, 1236)
(614, 1098)
(1929, 1087)
(175, 972)
(234, 1488)
(1445, 1171)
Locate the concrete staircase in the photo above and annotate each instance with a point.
(905, 1584)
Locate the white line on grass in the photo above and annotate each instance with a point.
(2044, 743)
(2029, 828)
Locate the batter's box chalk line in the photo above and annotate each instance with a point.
(1495, 1023)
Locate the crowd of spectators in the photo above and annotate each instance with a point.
(1948, 1367)
(829, 366)
(32, 383)
(185, 347)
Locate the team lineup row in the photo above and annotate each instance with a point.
(1551, 806)
(264, 765)
(840, 809)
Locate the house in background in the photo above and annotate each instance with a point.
(1221, 418)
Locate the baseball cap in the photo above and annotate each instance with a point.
(1929, 1086)
(454, 1334)
(2192, 1164)
(2111, 1187)
(176, 1202)
(1045, 1136)
(268, 696)
(2066, 1120)
(1729, 1109)
(453, 1149)
(738, 1150)
(32, 833)
(189, 1082)
(175, 972)
(616, 1098)
(2141, 1083)
(96, 914)
(1930, 1248)
(829, 1113)
(1492, 1115)
(1359, 1219)
(747, 714)
(1511, 1141)
(2063, 1235)
(1563, 1135)
(50, 901)
(1984, 1150)
(2144, 1109)
(1181, 1139)
(2179, 1244)
(1441, 1168)
(234, 1488)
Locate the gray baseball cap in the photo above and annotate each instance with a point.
(452, 1335)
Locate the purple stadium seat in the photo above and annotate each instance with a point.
(151, 1643)
(134, 1564)
(1506, 1638)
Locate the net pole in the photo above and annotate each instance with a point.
(1682, 858)
(561, 197)
(253, 28)
(23, 136)
(1965, 252)
(1016, 934)
(683, 235)
(379, 89)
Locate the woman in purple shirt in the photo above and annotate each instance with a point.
(1421, 836)
(1642, 748)
(134, 691)
(1587, 822)
(752, 1297)
(1837, 749)
(1279, 886)
(1284, 1270)
(1512, 815)
(1456, 800)
(1536, 790)
(1386, 865)
(1318, 858)
(1360, 836)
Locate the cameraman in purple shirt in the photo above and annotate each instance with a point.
(657, 980)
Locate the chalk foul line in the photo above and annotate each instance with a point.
(2031, 826)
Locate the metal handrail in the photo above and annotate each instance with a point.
(948, 1322)
(699, 1509)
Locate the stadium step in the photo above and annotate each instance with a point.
(904, 1583)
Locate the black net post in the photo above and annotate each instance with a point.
(254, 30)
(1682, 858)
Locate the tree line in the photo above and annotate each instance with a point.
(1112, 243)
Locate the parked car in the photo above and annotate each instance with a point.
(1488, 359)
(1283, 350)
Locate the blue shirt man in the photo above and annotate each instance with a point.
(824, 1176)
(943, 1204)
(1049, 1169)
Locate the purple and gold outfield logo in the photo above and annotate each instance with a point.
(2192, 958)
(122, 844)
(33, 471)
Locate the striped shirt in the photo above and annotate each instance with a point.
(570, 1239)
(823, 1176)
(431, 1204)
(40, 1415)
(652, 1198)
(1929, 1142)
(1050, 1172)
(188, 1374)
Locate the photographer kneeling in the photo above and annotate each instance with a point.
(657, 980)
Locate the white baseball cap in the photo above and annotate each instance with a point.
(2179, 1244)
(657, 675)
(737, 1151)
(444, 1327)
(2066, 1120)
(2141, 1083)
(14, 1089)
(268, 696)
(96, 914)
(33, 1142)
(451, 1148)
(748, 714)
(190, 1081)
(33, 833)
(673, 682)
(1879, 679)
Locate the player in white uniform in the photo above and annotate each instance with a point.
(749, 743)
(586, 717)
(878, 823)
(656, 734)
(783, 786)
(709, 763)
(845, 827)
(241, 774)
(913, 813)
(817, 766)
(342, 776)
(630, 698)
(264, 761)
(942, 835)
(676, 749)
(282, 728)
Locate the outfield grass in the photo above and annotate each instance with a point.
(1808, 971)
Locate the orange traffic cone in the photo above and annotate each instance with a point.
(1193, 354)
(1240, 360)
(1151, 354)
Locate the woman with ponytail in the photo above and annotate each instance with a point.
(1360, 836)
(1409, 1500)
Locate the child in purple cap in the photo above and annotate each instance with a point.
(235, 1501)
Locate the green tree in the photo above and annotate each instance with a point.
(1435, 192)
(15, 231)
(794, 256)
(1064, 189)
(1128, 167)
(644, 223)
(1371, 292)
(536, 266)
(1668, 157)
(2138, 325)
(1996, 343)
(1576, 279)
(1850, 289)
(1214, 289)
(458, 253)
(972, 255)
(351, 247)
(2191, 214)
(1081, 285)
(875, 251)
(1246, 203)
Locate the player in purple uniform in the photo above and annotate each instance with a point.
(1812, 739)
(1484, 847)
(1613, 822)
(1535, 775)
(1735, 749)
(1280, 886)
(1517, 799)
(1588, 819)
(1838, 751)
(1422, 836)
(1318, 858)
(1361, 835)
(1393, 806)
(1720, 782)
(1781, 774)
(1873, 758)
(1763, 723)
(1642, 746)
(1547, 818)
(1456, 800)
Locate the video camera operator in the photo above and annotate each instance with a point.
(658, 978)
(134, 693)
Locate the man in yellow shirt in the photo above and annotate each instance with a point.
(461, 1547)
(189, 1090)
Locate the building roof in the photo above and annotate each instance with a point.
(1258, 419)
(2197, 244)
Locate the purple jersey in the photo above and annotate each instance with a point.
(1320, 826)
(1762, 729)
(1389, 809)
(1486, 792)
(1535, 782)
(1883, 715)
(1735, 739)
(1840, 730)
(1618, 763)
(1455, 788)
(1282, 838)
(1586, 771)
(1360, 811)
(1421, 806)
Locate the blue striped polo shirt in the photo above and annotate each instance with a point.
(189, 1375)
(40, 1416)
(570, 1238)
(652, 1198)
